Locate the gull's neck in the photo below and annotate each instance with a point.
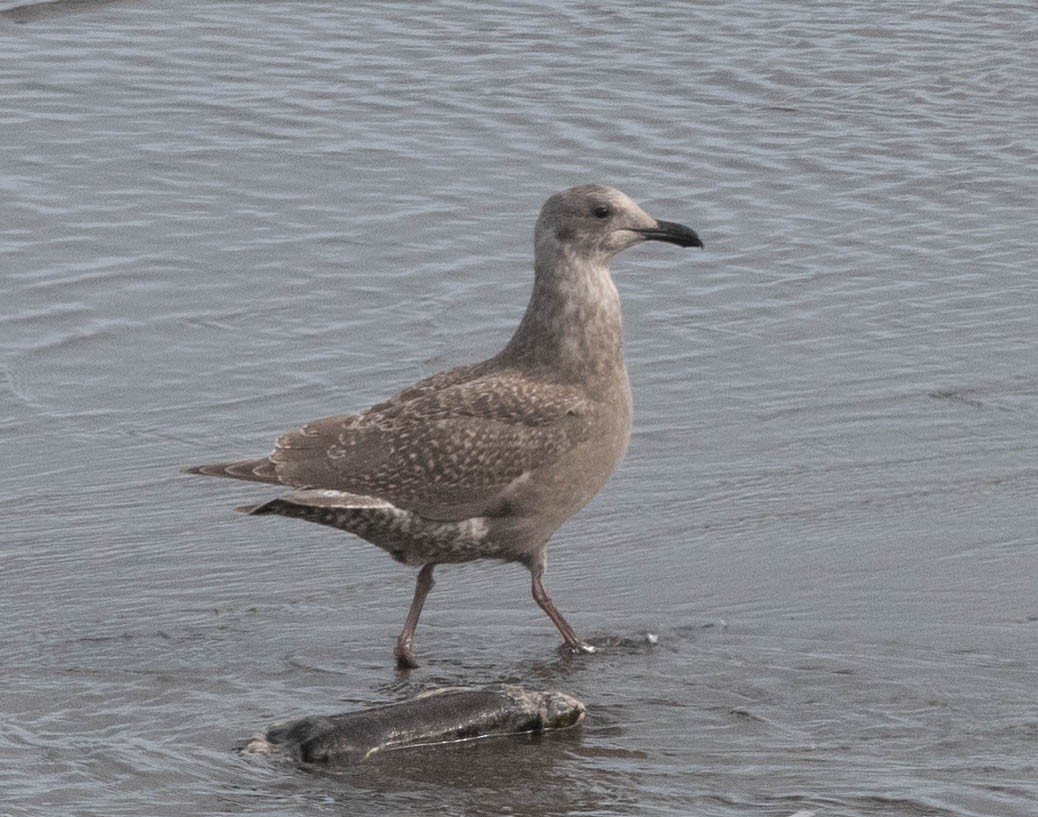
(572, 325)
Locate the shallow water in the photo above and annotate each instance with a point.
(218, 220)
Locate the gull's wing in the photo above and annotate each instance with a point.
(442, 449)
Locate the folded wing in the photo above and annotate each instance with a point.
(446, 452)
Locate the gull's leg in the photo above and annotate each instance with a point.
(404, 651)
(569, 637)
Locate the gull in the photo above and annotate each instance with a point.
(486, 461)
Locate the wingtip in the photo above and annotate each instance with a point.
(259, 470)
(206, 470)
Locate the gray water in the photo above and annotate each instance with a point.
(219, 220)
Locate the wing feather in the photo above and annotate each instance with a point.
(443, 445)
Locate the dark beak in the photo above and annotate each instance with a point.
(674, 233)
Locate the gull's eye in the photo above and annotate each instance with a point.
(602, 211)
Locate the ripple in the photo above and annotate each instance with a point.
(222, 221)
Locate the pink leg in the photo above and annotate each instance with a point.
(404, 651)
(569, 637)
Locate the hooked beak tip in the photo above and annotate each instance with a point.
(673, 233)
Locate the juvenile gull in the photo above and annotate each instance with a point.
(487, 461)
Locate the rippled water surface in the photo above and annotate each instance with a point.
(218, 220)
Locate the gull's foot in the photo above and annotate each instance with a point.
(405, 658)
(576, 648)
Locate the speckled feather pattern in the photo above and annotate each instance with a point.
(487, 460)
(455, 440)
(407, 537)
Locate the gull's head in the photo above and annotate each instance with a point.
(594, 222)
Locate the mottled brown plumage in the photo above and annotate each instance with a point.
(488, 460)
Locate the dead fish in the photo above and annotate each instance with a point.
(440, 716)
